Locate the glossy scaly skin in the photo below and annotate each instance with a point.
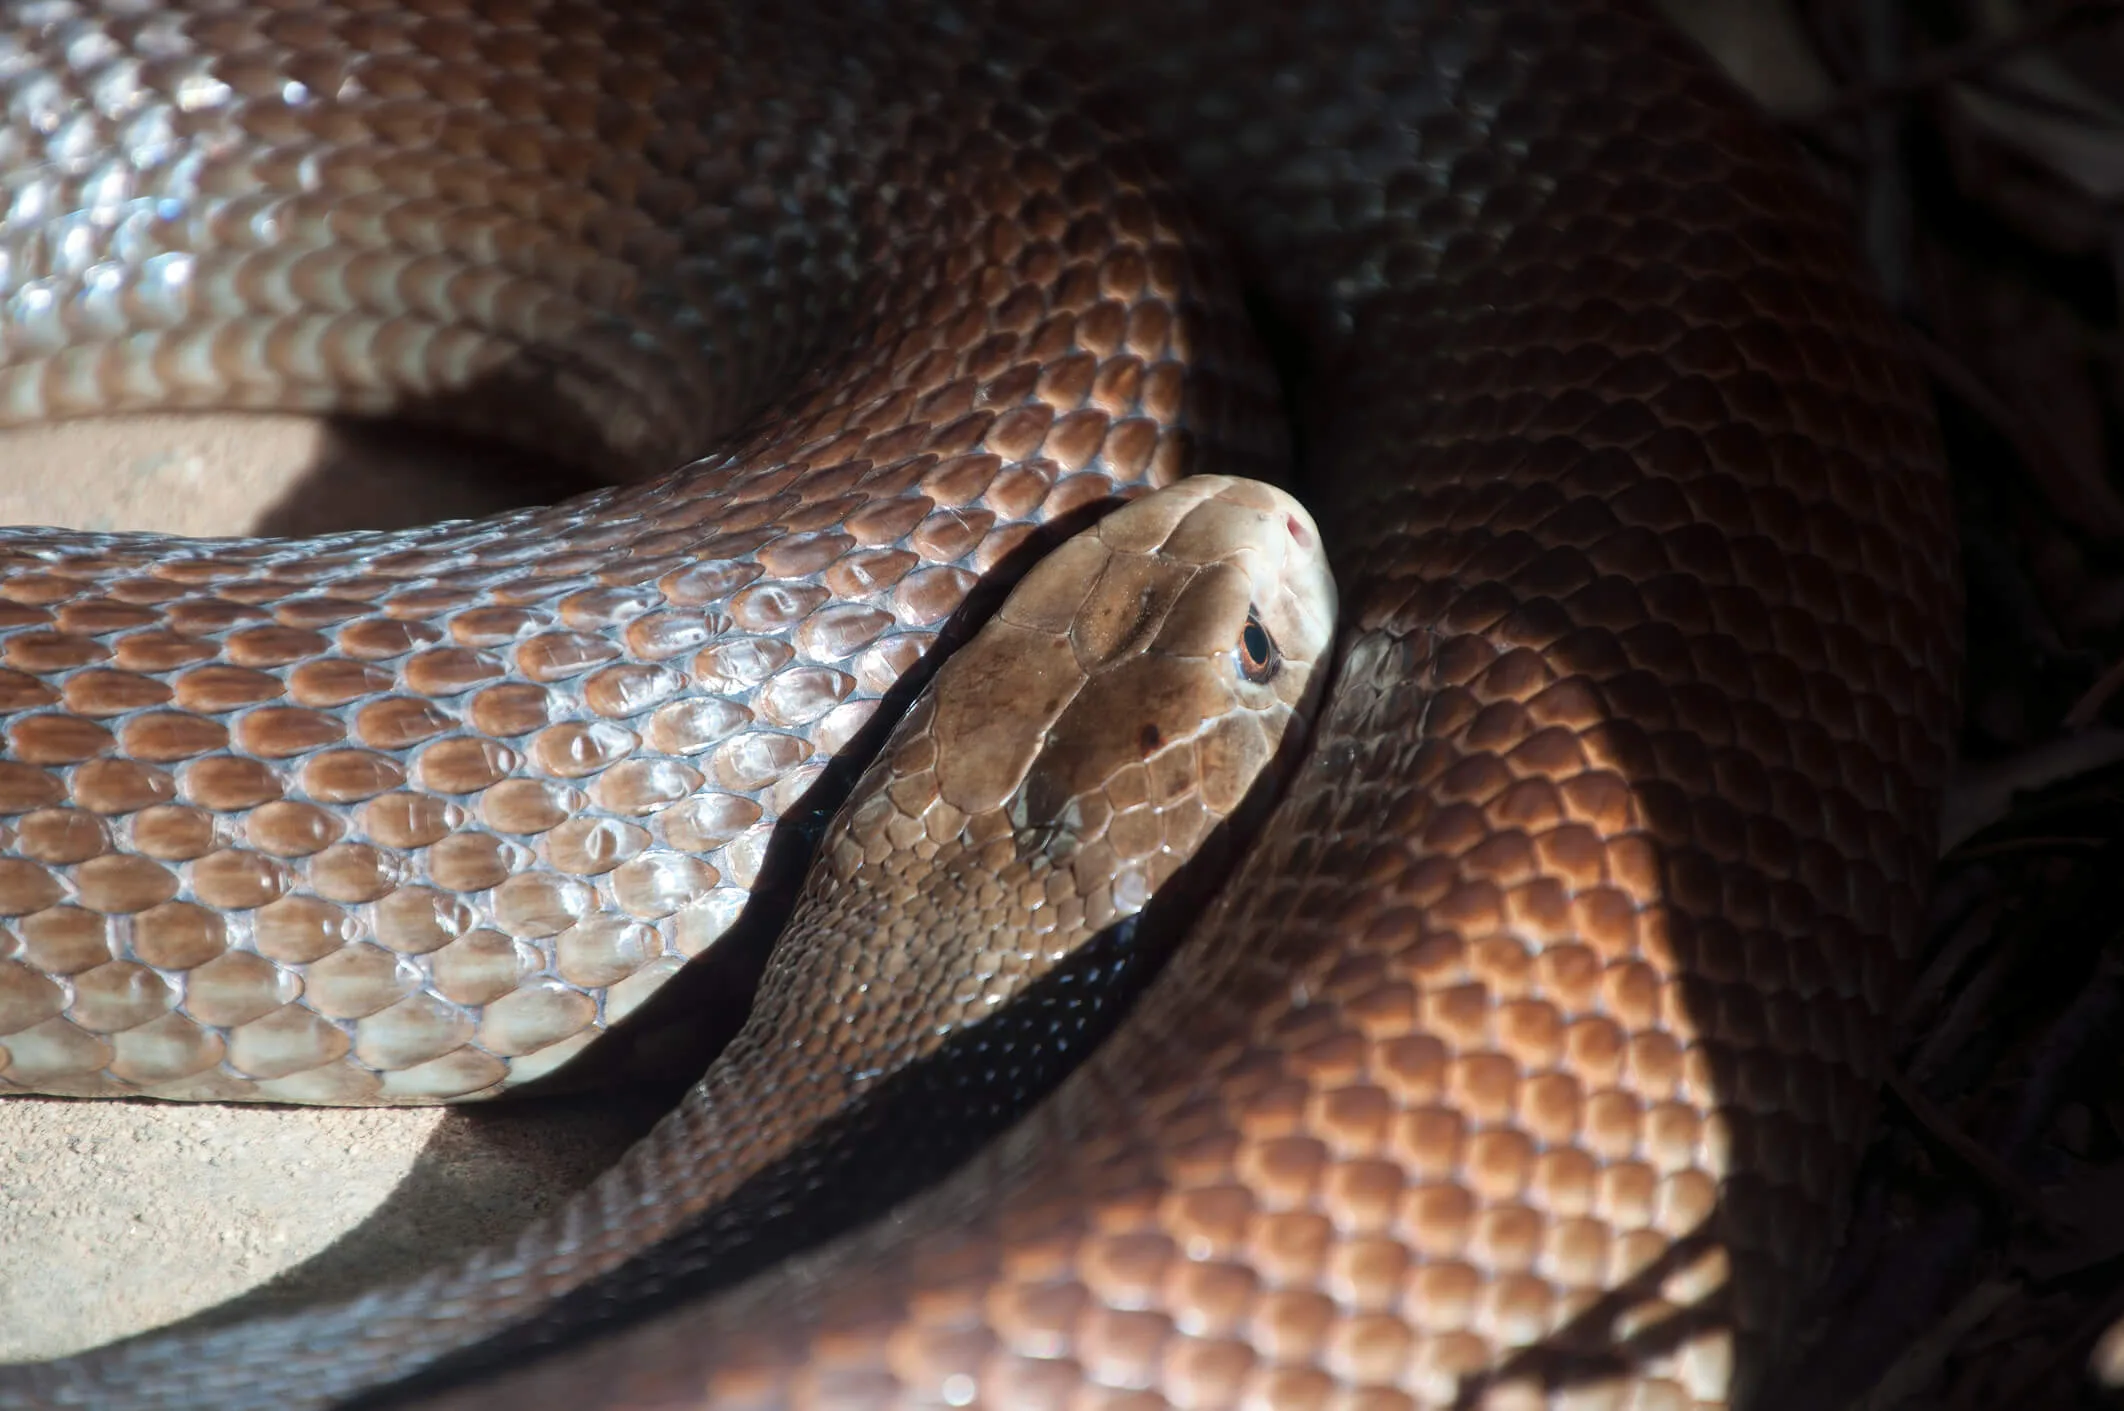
(1527, 1057)
(415, 817)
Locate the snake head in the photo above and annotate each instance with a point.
(1132, 690)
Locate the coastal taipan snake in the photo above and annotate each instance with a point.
(1527, 1053)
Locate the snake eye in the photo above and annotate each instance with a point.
(1256, 652)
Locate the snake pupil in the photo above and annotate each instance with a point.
(1257, 650)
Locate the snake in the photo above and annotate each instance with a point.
(1524, 1056)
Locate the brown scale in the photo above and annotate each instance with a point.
(1526, 1059)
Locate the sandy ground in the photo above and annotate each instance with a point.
(120, 1216)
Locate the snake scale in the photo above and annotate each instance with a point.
(1524, 1058)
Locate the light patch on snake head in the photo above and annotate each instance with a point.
(993, 702)
(1049, 597)
(1127, 605)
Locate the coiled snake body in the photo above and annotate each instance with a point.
(1523, 1059)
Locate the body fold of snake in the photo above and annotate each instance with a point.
(1523, 1058)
